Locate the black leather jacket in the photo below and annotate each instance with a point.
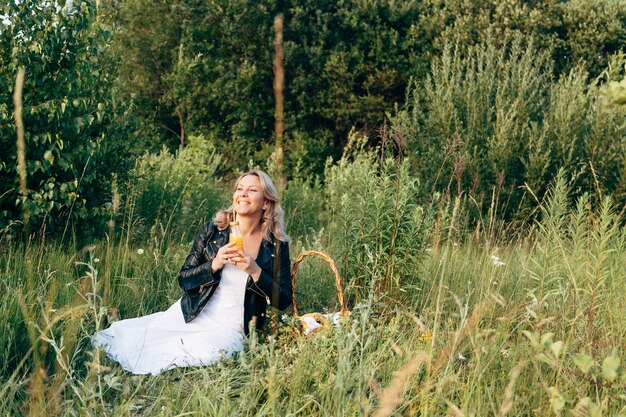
(196, 272)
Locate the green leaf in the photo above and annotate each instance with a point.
(546, 338)
(557, 348)
(591, 408)
(584, 362)
(609, 367)
(542, 357)
(557, 401)
(533, 337)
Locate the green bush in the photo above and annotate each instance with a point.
(493, 123)
(76, 133)
(171, 195)
(576, 33)
(376, 229)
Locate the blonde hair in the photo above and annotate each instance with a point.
(273, 220)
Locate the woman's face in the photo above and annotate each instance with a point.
(248, 197)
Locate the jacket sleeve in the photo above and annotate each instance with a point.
(279, 292)
(196, 270)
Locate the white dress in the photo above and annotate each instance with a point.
(162, 341)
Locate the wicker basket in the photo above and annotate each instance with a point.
(321, 319)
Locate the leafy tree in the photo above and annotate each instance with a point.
(347, 64)
(575, 32)
(68, 109)
(207, 67)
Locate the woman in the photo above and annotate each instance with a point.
(237, 283)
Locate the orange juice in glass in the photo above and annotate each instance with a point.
(235, 235)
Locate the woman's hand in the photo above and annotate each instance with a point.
(225, 255)
(245, 262)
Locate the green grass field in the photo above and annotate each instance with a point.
(533, 327)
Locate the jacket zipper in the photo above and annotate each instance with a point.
(207, 285)
(262, 293)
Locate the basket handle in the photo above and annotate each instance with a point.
(331, 263)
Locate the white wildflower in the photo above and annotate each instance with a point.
(461, 356)
(496, 261)
(483, 349)
(96, 260)
(140, 251)
(504, 353)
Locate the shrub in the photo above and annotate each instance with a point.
(171, 195)
(376, 227)
(492, 122)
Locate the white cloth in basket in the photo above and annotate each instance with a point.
(312, 324)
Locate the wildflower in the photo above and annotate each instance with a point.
(96, 260)
(483, 350)
(504, 353)
(534, 302)
(426, 336)
(461, 357)
(140, 251)
(496, 261)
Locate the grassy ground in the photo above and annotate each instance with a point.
(530, 328)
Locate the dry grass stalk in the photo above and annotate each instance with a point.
(468, 326)
(19, 124)
(507, 402)
(456, 410)
(21, 144)
(392, 395)
(279, 85)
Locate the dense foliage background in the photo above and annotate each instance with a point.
(487, 99)
(462, 161)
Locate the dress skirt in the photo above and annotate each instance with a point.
(161, 341)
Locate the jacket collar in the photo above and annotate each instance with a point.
(266, 253)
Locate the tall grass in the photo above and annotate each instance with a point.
(466, 326)
(491, 121)
(377, 229)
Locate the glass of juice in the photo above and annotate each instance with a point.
(235, 235)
